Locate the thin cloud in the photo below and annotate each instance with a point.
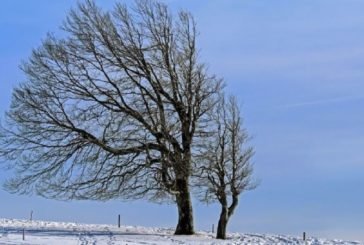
(322, 102)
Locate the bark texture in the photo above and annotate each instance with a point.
(185, 212)
(223, 221)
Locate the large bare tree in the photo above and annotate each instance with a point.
(111, 110)
(225, 164)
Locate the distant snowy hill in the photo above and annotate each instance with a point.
(53, 233)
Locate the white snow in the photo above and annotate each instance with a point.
(46, 233)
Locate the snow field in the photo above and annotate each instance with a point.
(62, 233)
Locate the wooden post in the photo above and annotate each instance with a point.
(119, 221)
(213, 228)
(304, 236)
(31, 215)
(23, 234)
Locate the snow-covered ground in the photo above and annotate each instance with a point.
(49, 233)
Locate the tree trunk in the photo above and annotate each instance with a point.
(224, 218)
(185, 214)
(226, 213)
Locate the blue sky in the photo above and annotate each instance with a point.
(297, 68)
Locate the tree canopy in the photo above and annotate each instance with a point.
(115, 108)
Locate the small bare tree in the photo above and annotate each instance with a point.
(226, 162)
(112, 109)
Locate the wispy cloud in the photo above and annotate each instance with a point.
(327, 101)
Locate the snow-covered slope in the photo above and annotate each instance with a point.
(44, 232)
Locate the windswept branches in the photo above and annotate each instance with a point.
(111, 110)
(225, 163)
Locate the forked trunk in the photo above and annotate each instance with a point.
(185, 214)
(226, 213)
(221, 227)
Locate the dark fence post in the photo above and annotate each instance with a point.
(304, 236)
(23, 234)
(119, 221)
(213, 228)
